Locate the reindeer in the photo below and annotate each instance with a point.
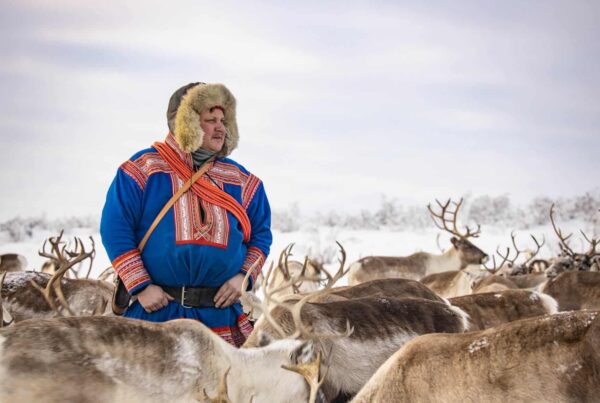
(530, 265)
(454, 283)
(382, 288)
(574, 290)
(115, 359)
(552, 358)
(310, 271)
(29, 295)
(570, 260)
(420, 264)
(364, 330)
(510, 275)
(12, 262)
(494, 308)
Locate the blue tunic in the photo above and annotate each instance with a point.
(195, 244)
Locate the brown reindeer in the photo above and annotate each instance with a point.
(82, 297)
(115, 359)
(552, 358)
(29, 295)
(416, 266)
(574, 290)
(379, 326)
(12, 262)
(382, 288)
(494, 308)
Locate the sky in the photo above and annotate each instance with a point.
(339, 102)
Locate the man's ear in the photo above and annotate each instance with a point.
(304, 354)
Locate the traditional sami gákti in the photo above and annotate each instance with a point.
(217, 229)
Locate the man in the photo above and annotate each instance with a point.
(195, 259)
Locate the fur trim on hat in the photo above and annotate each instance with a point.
(188, 133)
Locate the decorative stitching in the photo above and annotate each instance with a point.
(130, 268)
(253, 255)
(236, 335)
(144, 166)
(189, 227)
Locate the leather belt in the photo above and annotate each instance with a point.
(193, 297)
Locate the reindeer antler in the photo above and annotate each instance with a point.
(505, 258)
(564, 246)
(331, 280)
(444, 220)
(593, 244)
(264, 306)
(310, 372)
(66, 260)
(222, 393)
(533, 255)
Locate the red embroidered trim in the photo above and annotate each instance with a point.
(249, 190)
(144, 166)
(235, 335)
(253, 255)
(232, 175)
(130, 268)
(135, 173)
(189, 227)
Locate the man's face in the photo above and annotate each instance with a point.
(212, 123)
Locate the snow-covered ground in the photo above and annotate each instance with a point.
(320, 242)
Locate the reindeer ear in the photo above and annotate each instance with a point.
(304, 353)
(264, 338)
(454, 241)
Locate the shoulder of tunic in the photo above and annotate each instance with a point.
(231, 172)
(143, 164)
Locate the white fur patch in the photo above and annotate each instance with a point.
(477, 345)
(591, 318)
(570, 370)
(550, 304)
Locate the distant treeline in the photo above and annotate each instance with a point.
(390, 215)
(485, 210)
(21, 229)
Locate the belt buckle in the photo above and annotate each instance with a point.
(183, 298)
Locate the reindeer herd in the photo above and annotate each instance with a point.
(460, 326)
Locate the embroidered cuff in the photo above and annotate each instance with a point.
(253, 255)
(130, 268)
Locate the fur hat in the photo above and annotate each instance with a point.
(183, 115)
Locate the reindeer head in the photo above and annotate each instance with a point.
(468, 253)
(560, 265)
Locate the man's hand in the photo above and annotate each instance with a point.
(229, 292)
(153, 298)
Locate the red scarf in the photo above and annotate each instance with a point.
(203, 189)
